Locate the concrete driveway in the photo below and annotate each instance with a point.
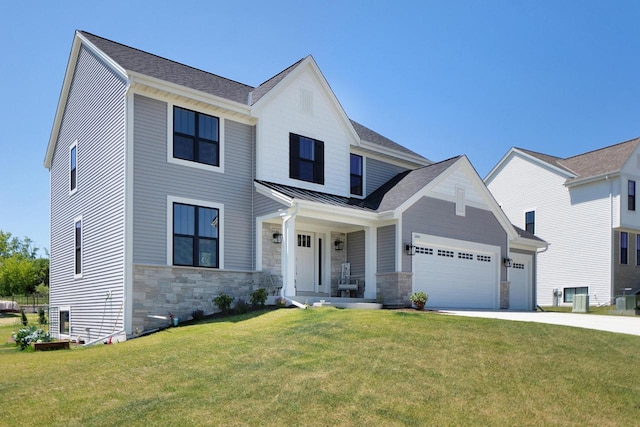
(619, 324)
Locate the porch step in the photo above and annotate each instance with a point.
(358, 303)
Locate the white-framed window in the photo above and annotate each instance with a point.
(195, 139)
(77, 247)
(73, 167)
(195, 233)
(357, 174)
(569, 293)
(64, 321)
(631, 195)
(530, 221)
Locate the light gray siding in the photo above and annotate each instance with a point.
(263, 205)
(379, 172)
(436, 217)
(386, 249)
(355, 253)
(95, 117)
(155, 179)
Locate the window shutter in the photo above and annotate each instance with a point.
(294, 155)
(319, 163)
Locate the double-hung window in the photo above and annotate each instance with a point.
(356, 175)
(624, 247)
(77, 225)
(631, 195)
(530, 222)
(306, 159)
(73, 168)
(196, 137)
(195, 235)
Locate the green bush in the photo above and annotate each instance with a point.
(23, 317)
(223, 301)
(242, 306)
(258, 297)
(419, 299)
(25, 336)
(197, 314)
(42, 318)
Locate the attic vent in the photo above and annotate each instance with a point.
(306, 101)
(460, 202)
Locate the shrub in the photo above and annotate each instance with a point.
(25, 336)
(242, 306)
(23, 317)
(419, 299)
(197, 314)
(42, 318)
(258, 297)
(223, 301)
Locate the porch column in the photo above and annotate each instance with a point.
(370, 262)
(289, 255)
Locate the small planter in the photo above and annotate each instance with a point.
(54, 345)
(419, 305)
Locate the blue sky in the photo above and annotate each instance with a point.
(440, 77)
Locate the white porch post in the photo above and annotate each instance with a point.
(288, 255)
(370, 261)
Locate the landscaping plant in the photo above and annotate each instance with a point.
(258, 298)
(419, 299)
(25, 336)
(223, 301)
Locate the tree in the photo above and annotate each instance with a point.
(17, 276)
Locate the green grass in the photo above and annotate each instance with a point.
(606, 310)
(332, 367)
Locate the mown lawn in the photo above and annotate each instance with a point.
(332, 367)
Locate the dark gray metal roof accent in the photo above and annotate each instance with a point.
(526, 234)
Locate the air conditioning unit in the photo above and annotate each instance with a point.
(580, 303)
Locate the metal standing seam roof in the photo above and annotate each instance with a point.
(142, 62)
(594, 163)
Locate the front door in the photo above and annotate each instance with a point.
(305, 266)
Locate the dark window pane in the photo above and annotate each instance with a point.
(184, 121)
(356, 185)
(306, 148)
(631, 187)
(356, 165)
(182, 250)
(208, 256)
(208, 128)
(73, 158)
(73, 179)
(208, 222)
(306, 171)
(208, 153)
(183, 147)
(183, 219)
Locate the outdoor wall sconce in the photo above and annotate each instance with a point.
(277, 237)
(410, 249)
(508, 262)
(338, 245)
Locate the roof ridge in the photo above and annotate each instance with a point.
(537, 152)
(602, 148)
(165, 59)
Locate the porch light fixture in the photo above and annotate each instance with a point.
(410, 249)
(277, 237)
(338, 245)
(508, 262)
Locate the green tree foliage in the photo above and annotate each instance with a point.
(21, 271)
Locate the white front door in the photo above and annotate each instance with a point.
(520, 276)
(305, 265)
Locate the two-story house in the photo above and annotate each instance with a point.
(171, 185)
(585, 206)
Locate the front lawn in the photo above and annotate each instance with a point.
(332, 367)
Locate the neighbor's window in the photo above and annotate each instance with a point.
(195, 236)
(306, 159)
(631, 199)
(530, 222)
(624, 247)
(64, 322)
(73, 167)
(78, 246)
(356, 175)
(196, 137)
(569, 293)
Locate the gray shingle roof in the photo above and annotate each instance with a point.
(594, 163)
(142, 62)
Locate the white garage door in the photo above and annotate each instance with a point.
(520, 276)
(455, 273)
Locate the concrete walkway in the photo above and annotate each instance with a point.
(619, 324)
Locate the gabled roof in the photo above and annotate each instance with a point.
(373, 137)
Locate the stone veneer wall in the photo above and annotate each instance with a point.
(504, 294)
(337, 258)
(160, 290)
(271, 252)
(394, 289)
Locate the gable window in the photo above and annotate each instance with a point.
(73, 168)
(306, 159)
(530, 222)
(196, 137)
(356, 175)
(570, 293)
(195, 235)
(77, 225)
(631, 198)
(624, 247)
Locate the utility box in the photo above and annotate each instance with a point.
(580, 304)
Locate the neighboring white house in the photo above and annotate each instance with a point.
(585, 206)
(171, 185)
